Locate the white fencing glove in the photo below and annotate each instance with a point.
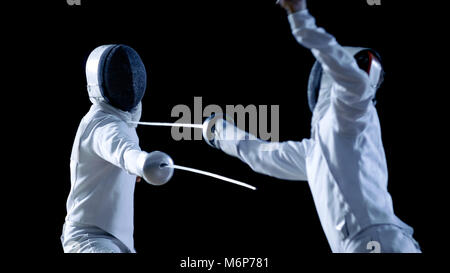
(154, 168)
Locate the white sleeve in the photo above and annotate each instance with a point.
(284, 160)
(112, 141)
(352, 95)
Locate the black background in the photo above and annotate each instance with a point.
(242, 52)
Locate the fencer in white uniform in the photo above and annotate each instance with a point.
(106, 158)
(343, 160)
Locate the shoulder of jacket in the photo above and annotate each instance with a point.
(100, 116)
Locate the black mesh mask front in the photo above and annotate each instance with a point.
(124, 78)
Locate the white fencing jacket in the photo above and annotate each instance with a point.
(343, 161)
(103, 169)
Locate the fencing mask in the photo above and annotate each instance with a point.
(367, 59)
(116, 74)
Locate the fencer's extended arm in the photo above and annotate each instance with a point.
(284, 160)
(352, 92)
(111, 142)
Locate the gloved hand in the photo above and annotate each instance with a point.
(154, 170)
(209, 128)
(210, 134)
(292, 6)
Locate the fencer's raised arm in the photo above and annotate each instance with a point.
(352, 93)
(284, 160)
